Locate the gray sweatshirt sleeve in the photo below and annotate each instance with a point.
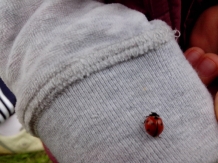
(86, 75)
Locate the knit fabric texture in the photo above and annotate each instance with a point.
(86, 75)
(100, 119)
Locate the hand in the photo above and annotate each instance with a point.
(206, 65)
(203, 52)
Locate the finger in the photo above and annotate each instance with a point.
(206, 65)
(216, 106)
(207, 68)
(193, 55)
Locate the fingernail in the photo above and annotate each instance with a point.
(193, 57)
(216, 106)
(206, 67)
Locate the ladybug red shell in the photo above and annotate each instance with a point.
(153, 124)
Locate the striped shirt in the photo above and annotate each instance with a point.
(7, 102)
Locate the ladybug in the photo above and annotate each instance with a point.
(153, 124)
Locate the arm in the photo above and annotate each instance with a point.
(86, 74)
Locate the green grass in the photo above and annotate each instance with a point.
(37, 157)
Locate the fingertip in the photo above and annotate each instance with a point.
(193, 55)
(194, 50)
(207, 67)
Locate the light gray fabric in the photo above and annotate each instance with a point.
(63, 41)
(100, 119)
(87, 74)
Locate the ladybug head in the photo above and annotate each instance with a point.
(154, 114)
